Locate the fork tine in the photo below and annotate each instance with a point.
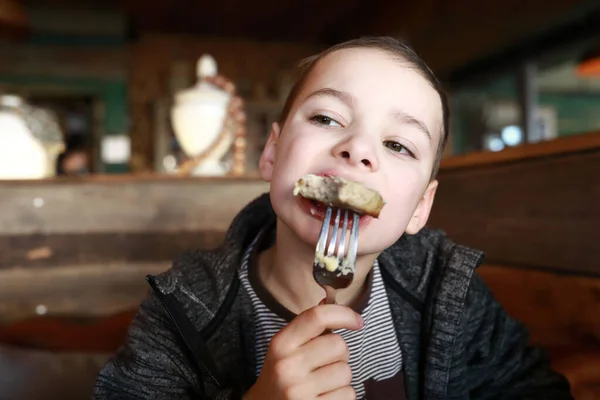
(353, 245)
(334, 234)
(324, 232)
(342, 247)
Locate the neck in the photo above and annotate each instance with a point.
(285, 270)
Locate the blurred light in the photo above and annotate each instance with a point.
(170, 163)
(41, 309)
(115, 149)
(512, 135)
(493, 142)
(589, 65)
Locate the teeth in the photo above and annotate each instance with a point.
(313, 211)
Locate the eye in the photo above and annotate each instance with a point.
(324, 120)
(398, 148)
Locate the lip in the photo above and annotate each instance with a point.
(333, 173)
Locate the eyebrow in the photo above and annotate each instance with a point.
(348, 99)
(408, 119)
(344, 97)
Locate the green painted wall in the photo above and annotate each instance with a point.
(576, 113)
(113, 93)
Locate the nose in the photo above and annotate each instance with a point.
(357, 151)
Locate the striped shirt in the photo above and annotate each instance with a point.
(375, 356)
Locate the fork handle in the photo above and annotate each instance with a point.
(329, 299)
(329, 295)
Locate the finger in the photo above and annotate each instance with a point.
(325, 380)
(322, 351)
(311, 323)
(343, 393)
(331, 377)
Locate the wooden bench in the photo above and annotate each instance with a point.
(535, 211)
(73, 256)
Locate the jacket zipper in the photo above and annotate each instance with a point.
(190, 348)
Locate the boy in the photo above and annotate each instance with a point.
(245, 321)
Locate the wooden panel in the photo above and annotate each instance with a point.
(66, 334)
(561, 313)
(583, 143)
(40, 375)
(559, 310)
(449, 35)
(539, 212)
(475, 29)
(125, 205)
(29, 251)
(74, 292)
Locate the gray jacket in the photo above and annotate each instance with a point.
(193, 336)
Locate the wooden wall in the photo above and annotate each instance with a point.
(534, 211)
(534, 206)
(82, 247)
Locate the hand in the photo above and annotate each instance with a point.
(303, 363)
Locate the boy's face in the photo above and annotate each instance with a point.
(367, 116)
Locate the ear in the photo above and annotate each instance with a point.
(421, 214)
(267, 158)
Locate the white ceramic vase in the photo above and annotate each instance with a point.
(22, 156)
(198, 117)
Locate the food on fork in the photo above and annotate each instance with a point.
(340, 192)
(330, 263)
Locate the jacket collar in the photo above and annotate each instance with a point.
(410, 261)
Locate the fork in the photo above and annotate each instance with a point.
(341, 277)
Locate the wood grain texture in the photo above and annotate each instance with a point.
(538, 212)
(56, 250)
(95, 206)
(60, 334)
(42, 375)
(560, 311)
(75, 292)
(586, 142)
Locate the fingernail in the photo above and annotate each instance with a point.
(361, 321)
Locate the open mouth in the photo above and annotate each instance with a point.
(317, 210)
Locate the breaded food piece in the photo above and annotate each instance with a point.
(340, 192)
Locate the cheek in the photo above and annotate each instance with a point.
(404, 191)
(291, 162)
(296, 151)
